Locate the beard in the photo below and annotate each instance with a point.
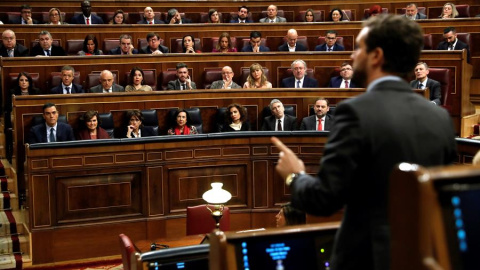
(359, 77)
(410, 17)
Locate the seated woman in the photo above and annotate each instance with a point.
(256, 78)
(181, 124)
(213, 16)
(55, 16)
(118, 17)
(188, 44)
(224, 44)
(90, 46)
(336, 15)
(309, 17)
(235, 119)
(91, 129)
(288, 216)
(449, 11)
(135, 128)
(136, 82)
(23, 86)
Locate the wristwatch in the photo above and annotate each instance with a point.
(292, 176)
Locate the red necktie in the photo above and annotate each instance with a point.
(150, 23)
(346, 84)
(88, 21)
(320, 125)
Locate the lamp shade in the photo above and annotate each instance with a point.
(216, 195)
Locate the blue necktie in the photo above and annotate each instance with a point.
(52, 135)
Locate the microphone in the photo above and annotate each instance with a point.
(154, 246)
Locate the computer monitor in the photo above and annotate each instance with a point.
(189, 257)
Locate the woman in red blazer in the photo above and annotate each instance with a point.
(91, 127)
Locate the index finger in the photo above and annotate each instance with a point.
(279, 144)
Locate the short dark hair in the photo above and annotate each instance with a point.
(255, 34)
(293, 216)
(87, 116)
(181, 65)
(177, 112)
(331, 32)
(322, 98)
(132, 74)
(48, 105)
(135, 112)
(125, 36)
(67, 67)
(450, 29)
(330, 17)
(25, 6)
(151, 35)
(395, 34)
(241, 110)
(245, 7)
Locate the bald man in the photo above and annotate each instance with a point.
(9, 47)
(107, 84)
(291, 44)
(272, 16)
(149, 17)
(227, 80)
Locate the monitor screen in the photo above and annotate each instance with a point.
(200, 263)
(188, 257)
(460, 203)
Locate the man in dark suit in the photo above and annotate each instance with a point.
(291, 45)
(372, 133)
(411, 12)
(45, 46)
(330, 44)
(299, 80)
(125, 48)
(86, 17)
(345, 78)
(320, 120)
(242, 16)
(183, 81)
(422, 81)
(254, 45)
(174, 17)
(9, 47)
(279, 121)
(25, 16)
(67, 86)
(149, 17)
(153, 46)
(451, 42)
(107, 84)
(51, 130)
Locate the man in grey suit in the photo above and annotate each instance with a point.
(227, 80)
(107, 84)
(279, 121)
(411, 12)
(320, 120)
(422, 81)
(272, 16)
(183, 81)
(372, 133)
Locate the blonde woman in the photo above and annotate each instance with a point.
(256, 78)
(449, 11)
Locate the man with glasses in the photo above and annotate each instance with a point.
(25, 16)
(10, 47)
(345, 78)
(330, 44)
(451, 42)
(153, 46)
(227, 80)
(299, 80)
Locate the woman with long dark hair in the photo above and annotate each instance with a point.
(90, 46)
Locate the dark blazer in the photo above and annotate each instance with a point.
(227, 128)
(323, 48)
(435, 89)
(368, 139)
(147, 50)
(145, 131)
(235, 20)
(459, 46)
(76, 89)
(18, 51)
(17, 92)
(84, 134)
(55, 51)
(310, 123)
(175, 85)
(184, 21)
(155, 21)
(307, 82)
(420, 16)
(335, 82)
(79, 19)
(18, 20)
(99, 88)
(298, 48)
(270, 122)
(119, 51)
(249, 48)
(38, 133)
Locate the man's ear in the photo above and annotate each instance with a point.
(377, 57)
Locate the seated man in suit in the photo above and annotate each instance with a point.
(272, 16)
(9, 47)
(45, 46)
(411, 12)
(174, 17)
(291, 45)
(107, 84)
(345, 78)
(254, 45)
(227, 80)
(67, 86)
(149, 17)
(126, 46)
(51, 130)
(451, 42)
(422, 81)
(242, 16)
(278, 121)
(25, 16)
(321, 120)
(153, 46)
(330, 43)
(299, 80)
(86, 17)
(183, 81)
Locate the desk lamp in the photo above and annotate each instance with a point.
(216, 197)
